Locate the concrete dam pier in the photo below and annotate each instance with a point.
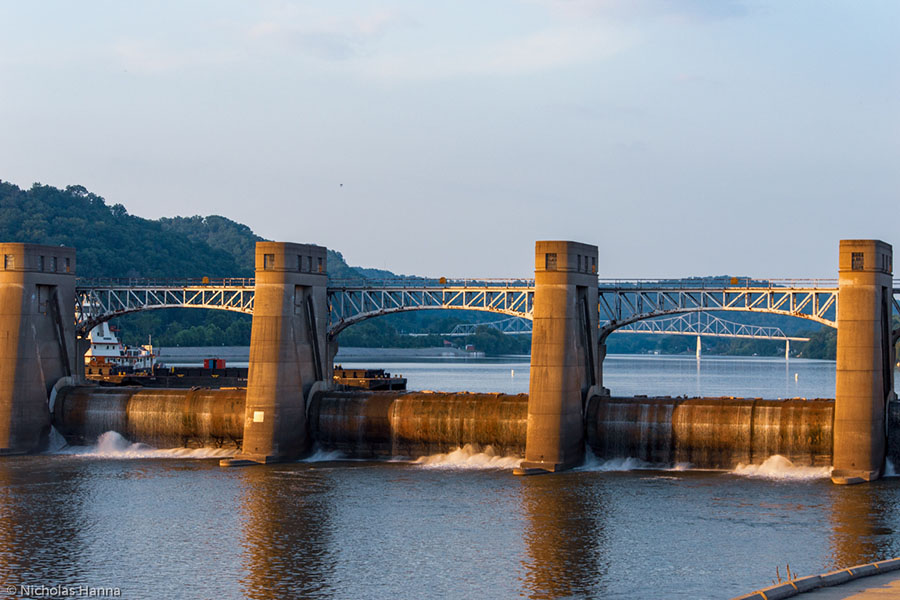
(709, 433)
(298, 312)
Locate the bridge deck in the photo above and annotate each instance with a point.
(621, 302)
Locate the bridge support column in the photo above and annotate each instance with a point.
(288, 350)
(564, 361)
(864, 375)
(37, 339)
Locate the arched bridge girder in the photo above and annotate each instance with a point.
(94, 305)
(621, 306)
(347, 306)
(606, 330)
(335, 328)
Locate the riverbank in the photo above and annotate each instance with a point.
(241, 354)
(194, 355)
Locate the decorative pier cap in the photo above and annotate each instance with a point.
(285, 257)
(868, 256)
(567, 257)
(37, 258)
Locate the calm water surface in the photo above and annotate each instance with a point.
(632, 375)
(186, 528)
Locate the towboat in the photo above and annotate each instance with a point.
(108, 356)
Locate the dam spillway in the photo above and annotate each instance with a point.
(714, 433)
(388, 424)
(160, 417)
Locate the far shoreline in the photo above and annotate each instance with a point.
(241, 354)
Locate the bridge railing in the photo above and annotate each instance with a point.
(662, 283)
(506, 282)
(429, 282)
(718, 283)
(142, 282)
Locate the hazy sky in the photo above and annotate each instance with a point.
(682, 138)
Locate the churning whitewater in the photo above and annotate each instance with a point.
(113, 445)
(470, 456)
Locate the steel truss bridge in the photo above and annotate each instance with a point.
(100, 300)
(507, 326)
(707, 325)
(349, 304)
(625, 303)
(621, 303)
(694, 324)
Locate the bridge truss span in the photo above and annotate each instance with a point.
(95, 304)
(708, 325)
(621, 306)
(507, 326)
(349, 305)
(693, 324)
(620, 303)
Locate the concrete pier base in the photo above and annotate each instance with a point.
(37, 339)
(288, 350)
(564, 366)
(864, 373)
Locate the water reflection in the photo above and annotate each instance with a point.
(286, 519)
(565, 540)
(41, 523)
(863, 521)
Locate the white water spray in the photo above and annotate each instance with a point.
(780, 468)
(113, 445)
(469, 456)
(596, 464)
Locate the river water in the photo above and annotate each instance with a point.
(172, 524)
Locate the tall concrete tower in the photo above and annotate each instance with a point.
(288, 352)
(37, 339)
(564, 362)
(864, 374)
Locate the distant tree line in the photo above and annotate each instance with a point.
(112, 243)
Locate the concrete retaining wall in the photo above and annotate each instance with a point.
(805, 584)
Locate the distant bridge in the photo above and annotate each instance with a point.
(621, 303)
(705, 324)
(694, 324)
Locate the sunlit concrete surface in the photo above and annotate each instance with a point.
(885, 585)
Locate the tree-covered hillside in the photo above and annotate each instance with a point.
(239, 241)
(112, 243)
(109, 242)
(219, 233)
